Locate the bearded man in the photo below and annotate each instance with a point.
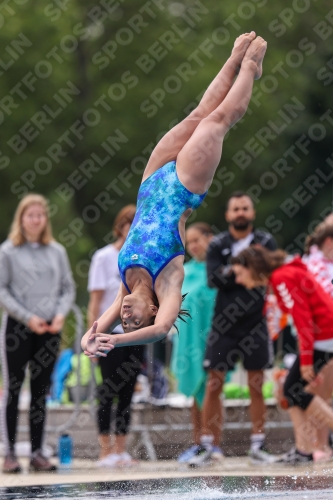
(238, 331)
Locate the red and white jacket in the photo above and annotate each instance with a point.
(319, 266)
(300, 295)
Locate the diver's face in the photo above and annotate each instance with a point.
(136, 312)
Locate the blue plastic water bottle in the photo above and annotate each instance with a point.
(65, 449)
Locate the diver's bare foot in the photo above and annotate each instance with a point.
(241, 45)
(255, 55)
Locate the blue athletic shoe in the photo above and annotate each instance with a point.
(188, 454)
(206, 456)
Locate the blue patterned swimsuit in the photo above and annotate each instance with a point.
(154, 240)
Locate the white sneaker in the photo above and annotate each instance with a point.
(125, 460)
(109, 461)
(261, 456)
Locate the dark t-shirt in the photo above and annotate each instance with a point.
(237, 310)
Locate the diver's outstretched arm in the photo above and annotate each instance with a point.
(109, 318)
(99, 343)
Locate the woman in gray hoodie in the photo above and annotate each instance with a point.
(36, 293)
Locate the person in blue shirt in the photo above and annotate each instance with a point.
(175, 181)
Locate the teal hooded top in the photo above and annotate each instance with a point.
(189, 346)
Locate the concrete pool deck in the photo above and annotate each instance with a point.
(84, 471)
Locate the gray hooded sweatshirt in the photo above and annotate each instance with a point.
(35, 279)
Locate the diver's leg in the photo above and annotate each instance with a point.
(199, 158)
(171, 143)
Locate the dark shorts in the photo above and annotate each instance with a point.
(252, 349)
(294, 385)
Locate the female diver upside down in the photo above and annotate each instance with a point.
(178, 174)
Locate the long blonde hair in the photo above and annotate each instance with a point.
(16, 233)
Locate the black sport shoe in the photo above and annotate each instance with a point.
(294, 457)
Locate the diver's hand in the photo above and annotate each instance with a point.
(98, 344)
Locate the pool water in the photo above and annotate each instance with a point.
(205, 488)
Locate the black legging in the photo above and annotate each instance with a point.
(22, 346)
(119, 371)
(294, 384)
